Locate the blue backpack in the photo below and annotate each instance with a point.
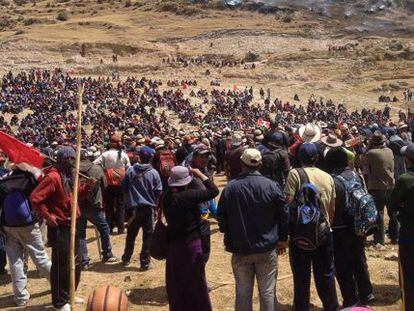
(16, 210)
(309, 226)
(360, 205)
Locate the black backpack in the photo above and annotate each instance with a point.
(271, 167)
(309, 227)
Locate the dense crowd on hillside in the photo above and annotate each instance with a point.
(314, 178)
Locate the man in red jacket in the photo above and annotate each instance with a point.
(51, 199)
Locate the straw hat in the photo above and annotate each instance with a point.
(310, 132)
(332, 141)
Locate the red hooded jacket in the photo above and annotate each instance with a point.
(49, 197)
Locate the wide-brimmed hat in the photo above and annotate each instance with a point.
(179, 177)
(201, 149)
(332, 141)
(377, 138)
(236, 140)
(140, 139)
(310, 133)
(190, 139)
(322, 124)
(402, 125)
(159, 144)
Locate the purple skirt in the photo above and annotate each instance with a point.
(186, 276)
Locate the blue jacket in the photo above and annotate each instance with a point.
(253, 214)
(142, 186)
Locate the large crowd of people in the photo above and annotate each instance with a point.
(312, 178)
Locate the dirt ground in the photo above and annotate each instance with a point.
(292, 48)
(146, 290)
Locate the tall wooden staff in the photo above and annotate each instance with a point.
(75, 199)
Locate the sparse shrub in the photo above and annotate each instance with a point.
(19, 32)
(28, 21)
(287, 19)
(251, 57)
(62, 16)
(21, 2)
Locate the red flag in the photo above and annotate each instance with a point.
(261, 122)
(19, 153)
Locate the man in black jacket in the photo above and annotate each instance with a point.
(253, 215)
(349, 249)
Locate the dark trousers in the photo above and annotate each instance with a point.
(322, 260)
(97, 217)
(144, 216)
(205, 233)
(186, 277)
(351, 267)
(407, 274)
(380, 198)
(114, 208)
(3, 258)
(60, 270)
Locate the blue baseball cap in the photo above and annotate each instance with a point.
(145, 153)
(307, 152)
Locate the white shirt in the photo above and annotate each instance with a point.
(110, 159)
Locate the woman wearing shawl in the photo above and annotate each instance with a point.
(185, 269)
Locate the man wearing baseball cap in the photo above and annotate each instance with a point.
(401, 200)
(253, 215)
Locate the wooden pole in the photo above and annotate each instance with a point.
(75, 199)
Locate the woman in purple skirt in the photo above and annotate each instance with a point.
(185, 271)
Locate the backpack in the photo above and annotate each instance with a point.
(309, 226)
(166, 163)
(114, 176)
(16, 209)
(271, 166)
(88, 200)
(360, 205)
